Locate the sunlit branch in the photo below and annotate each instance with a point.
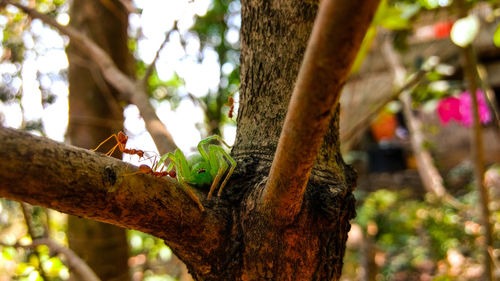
(129, 88)
(336, 37)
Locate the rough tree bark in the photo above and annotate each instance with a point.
(104, 247)
(250, 232)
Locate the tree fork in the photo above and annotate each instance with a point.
(327, 63)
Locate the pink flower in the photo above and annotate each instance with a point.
(467, 112)
(460, 109)
(448, 109)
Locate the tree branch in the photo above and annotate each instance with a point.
(74, 261)
(84, 183)
(129, 88)
(337, 34)
(364, 122)
(477, 150)
(26, 209)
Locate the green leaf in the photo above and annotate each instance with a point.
(496, 37)
(364, 48)
(392, 19)
(429, 4)
(464, 31)
(53, 266)
(8, 253)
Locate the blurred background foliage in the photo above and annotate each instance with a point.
(418, 237)
(399, 234)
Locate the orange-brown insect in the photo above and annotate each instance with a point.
(121, 142)
(145, 169)
(156, 170)
(230, 102)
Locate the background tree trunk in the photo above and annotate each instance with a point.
(95, 114)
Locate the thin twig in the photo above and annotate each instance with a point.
(431, 178)
(26, 208)
(197, 101)
(151, 67)
(490, 94)
(326, 65)
(74, 262)
(129, 88)
(368, 118)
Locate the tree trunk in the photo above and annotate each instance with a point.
(274, 37)
(104, 247)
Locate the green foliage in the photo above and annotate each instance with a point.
(392, 16)
(166, 90)
(8, 253)
(18, 24)
(149, 256)
(212, 29)
(22, 40)
(154, 248)
(12, 36)
(395, 17)
(496, 36)
(51, 7)
(429, 4)
(217, 30)
(410, 233)
(436, 84)
(8, 92)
